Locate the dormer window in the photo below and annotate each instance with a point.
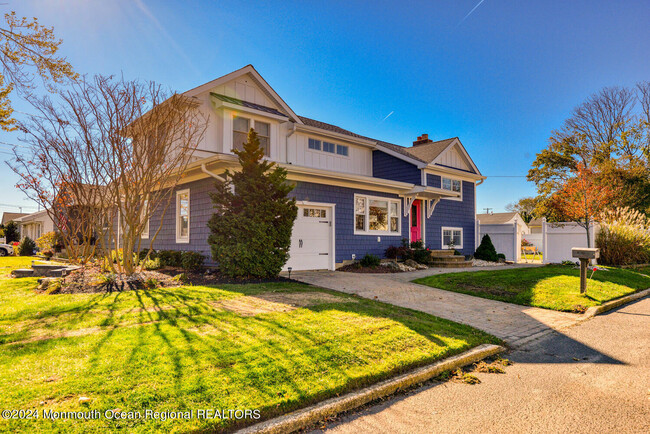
(240, 128)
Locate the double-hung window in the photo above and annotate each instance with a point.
(376, 215)
(452, 238)
(240, 128)
(183, 216)
(455, 185)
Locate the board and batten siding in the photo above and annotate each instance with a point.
(389, 167)
(358, 161)
(452, 213)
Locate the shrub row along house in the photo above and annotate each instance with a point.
(355, 195)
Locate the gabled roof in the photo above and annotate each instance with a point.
(430, 151)
(9, 216)
(331, 128)
(497, 218)
(248, 69)
(535, 222)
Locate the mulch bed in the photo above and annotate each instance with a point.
(88, 280)
(356, 268)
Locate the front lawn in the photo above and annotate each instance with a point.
(554, 287)
(271, 347)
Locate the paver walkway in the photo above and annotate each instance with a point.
(513, 323)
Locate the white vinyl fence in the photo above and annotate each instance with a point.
(505, 237)
(555, 241)
(559, 238)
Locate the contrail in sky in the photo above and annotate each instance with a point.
(470, 12)
(388, 115)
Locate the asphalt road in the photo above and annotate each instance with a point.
(593, 377)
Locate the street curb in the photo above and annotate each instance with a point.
(307, 416)
(597, 310)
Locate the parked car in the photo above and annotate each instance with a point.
(6, 249)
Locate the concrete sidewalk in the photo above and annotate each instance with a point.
(513, 323)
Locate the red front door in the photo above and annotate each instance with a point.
(416, 225)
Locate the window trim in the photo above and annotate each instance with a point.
(252, 121)
(145, 233)
(367, 230)
(322, 147)
(179, 238)
(450, 228)
(457, 199)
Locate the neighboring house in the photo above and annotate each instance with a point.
(34, 225)
(355, 194)
(535, 226)
(11, 216)
(504, 218)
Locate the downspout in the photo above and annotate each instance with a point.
(286, 142)
(206, 171)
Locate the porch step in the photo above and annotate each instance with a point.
(442, 252)
(447, 258)
(452, 264)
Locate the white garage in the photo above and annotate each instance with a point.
(312, 238)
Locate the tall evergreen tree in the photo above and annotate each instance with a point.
(250, 231)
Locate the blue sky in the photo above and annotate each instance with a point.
(501, 78)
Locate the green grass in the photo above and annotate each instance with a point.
(201, 347)
(554, 287)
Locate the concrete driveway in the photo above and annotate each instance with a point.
(592, 378)
(513, 323)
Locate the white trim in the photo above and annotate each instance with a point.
(243, 109)
(331, 135)
(457, 199)
(442, 237)
(445, 171)
(322, 145)
(179, 193)
(333, 226)
(463, 150)
(423, 219)
(248, 69)
(145, 234)
(368, 231)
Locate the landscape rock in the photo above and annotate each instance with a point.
(416, 265)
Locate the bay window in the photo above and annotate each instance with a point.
(376, 215)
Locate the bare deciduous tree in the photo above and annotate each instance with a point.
(105, 157)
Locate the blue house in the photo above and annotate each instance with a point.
(355, 194)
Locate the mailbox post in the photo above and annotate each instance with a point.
(585, 255)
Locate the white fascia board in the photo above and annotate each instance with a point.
(451, 172)
(248, 69)
(463, 150)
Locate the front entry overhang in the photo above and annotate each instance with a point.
(429, 195)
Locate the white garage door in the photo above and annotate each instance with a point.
(311, 239)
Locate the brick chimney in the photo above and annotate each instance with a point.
(422, 140)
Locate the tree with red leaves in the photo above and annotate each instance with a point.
(583, 196)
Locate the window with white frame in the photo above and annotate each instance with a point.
(241, 127)
(183, 216)
(145, 228)
(452, 238)
(376, 215)
(455, 185)
(329, 147)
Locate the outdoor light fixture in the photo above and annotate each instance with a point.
(289, 269)
(354, 256)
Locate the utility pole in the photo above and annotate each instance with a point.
(487, 210)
